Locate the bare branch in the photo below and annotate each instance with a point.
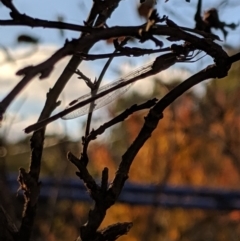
(35, 22)
(121, 117)
(126, 51)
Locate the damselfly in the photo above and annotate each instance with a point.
(108, 93)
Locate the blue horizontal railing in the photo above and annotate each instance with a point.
(136, 194)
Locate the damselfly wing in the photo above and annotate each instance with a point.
(106, 99)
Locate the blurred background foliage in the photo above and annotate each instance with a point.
(196, 143)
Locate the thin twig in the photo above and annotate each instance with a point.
(25, 20)
(132, 52)
(121, 117)
(94, 91)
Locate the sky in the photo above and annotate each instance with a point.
(27, 106)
